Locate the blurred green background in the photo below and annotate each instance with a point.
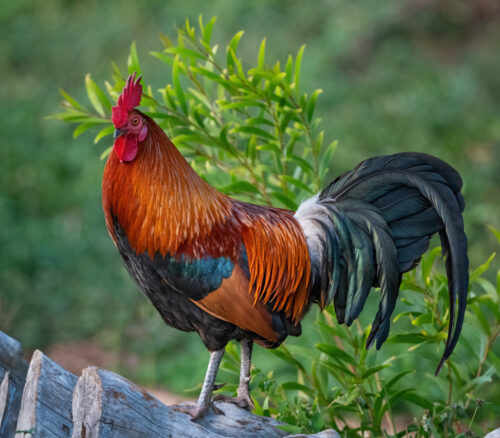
(397, 75)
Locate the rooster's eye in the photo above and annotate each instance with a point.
(135, 121)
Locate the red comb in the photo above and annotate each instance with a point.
(128, 100)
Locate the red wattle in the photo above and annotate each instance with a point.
(126, 147)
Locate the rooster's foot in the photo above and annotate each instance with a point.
(243, 399)
(198, 411)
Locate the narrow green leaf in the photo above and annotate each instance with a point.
(284, 354)
(289, 429)
(298, 64)
(418, 400)
(232, 48)
(262, 55)
(487, 286)
(476, 273)
(236, 40)
(72, 102)
(410, 338)
(95, 95)
(223, 138)
(428, 261)
(306, 167)
(424, 318)
(240, 187)
(80, 129)
(285, 200)
(244, 103)
(399, 394)
(190, 30)
(294, 386)
(108, 130)
(311, 105)
(251, 150)
(297, 183)
(495, 232)
(177, 85)
(253, 130)
(336, 353)
(336, 368)
(259, 121)
(165, 40)
(133, 60)
(326, 159)
(318, 143)
(396, 378)
(200, 23)
(474, 383)
(207, 32)
(184, 52)
(289, 70)
(373, 370)
(481, 318)
(71, 116)
(272, 147)
(163, 57)
(105, 153)
(208, 74)
(200, 97)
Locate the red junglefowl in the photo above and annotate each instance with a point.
(231, 270)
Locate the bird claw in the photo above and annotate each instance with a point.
(243, 400)
(198, 411)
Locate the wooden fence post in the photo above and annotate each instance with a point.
(46, 403)
(13, 369)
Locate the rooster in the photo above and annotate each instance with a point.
(232, 270)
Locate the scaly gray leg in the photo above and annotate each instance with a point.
(204, 400)
(243, 399)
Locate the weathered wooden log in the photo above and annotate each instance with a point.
(46, 403)
(108, 405)
(13, 369)
(4, 395)
(104, 405)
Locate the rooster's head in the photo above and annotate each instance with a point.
(131, 126)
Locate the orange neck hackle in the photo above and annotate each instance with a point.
(159, 200)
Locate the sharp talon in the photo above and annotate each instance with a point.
(242, 401)
(218, 386)
(216, 410)
(198, 412)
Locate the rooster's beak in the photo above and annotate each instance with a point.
(118, 133)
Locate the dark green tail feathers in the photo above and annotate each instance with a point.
(373, 223)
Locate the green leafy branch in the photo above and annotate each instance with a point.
(250, 132)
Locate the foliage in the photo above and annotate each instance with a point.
(252, 133)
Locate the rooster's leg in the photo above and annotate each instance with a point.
(204, 400)
(243, 399)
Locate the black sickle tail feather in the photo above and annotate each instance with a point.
(373, 223)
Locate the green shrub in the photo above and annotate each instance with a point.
(340, 384)
(251, 132)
